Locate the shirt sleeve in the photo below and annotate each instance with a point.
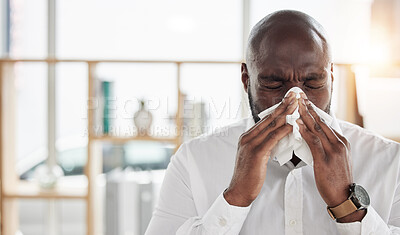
(221, 218)
(176, 212)
(371, 224)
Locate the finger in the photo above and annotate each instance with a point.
(276, 123)
(313, 126)
(263, 123)
(342, 138)
(313, 141)
(325, 128)
(273, 138)
(347, 144)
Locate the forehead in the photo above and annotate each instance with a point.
(288, 51)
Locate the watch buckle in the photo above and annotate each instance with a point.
(330, 213)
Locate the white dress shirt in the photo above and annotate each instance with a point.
(191, 199)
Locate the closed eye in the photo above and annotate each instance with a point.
(314, 87)
(273, 85)
(315, 82)
(271, 82)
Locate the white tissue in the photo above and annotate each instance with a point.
(294, 142)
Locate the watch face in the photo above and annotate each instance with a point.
(362, 196)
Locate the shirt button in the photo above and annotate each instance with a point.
(292, 222)
(222, 221)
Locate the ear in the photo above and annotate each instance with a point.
(245, 76)
(333, 78)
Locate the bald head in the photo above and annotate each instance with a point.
(284, 26)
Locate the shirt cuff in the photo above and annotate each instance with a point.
(372, 223)
(223, 217)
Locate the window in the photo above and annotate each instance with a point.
(31, 114)
(150, 30)
(28, 21)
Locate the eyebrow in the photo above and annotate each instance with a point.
(272, 77)
(315, 76)
(281, 78)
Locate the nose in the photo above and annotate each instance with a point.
(293, 84)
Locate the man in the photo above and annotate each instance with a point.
(228, 183)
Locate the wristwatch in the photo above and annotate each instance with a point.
(358, 200)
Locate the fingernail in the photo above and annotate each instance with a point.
(303, 102)
(289, 95)
(303, 95)
(285, 100)
(307, 102)
(299, 121)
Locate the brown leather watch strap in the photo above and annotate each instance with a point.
(346, 208)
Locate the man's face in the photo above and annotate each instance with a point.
(283, 63)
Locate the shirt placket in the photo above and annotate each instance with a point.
(294, 202)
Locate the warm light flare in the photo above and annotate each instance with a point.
(380, 53)
(380, 47)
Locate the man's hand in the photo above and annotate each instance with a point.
(254, 149)
(331, 156)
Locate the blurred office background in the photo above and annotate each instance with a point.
(75, 74)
